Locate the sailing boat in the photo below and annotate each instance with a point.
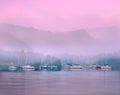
(104, 67)
(12, 67)
(27, 67)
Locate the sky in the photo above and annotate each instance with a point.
(61, 15)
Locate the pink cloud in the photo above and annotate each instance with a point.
(61, 15)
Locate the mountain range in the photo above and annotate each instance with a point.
(80, 42)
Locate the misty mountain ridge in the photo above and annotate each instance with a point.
(107, 34)
(17, 37)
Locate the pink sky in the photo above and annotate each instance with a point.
(61, 15)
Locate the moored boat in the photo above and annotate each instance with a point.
(73, 67)
(12, 68)
(76, 67)
(28, 68)
(104, 67)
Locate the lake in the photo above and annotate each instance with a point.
(60, 83)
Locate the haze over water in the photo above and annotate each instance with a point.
(83, 32)
(82, 27)
(60, 83)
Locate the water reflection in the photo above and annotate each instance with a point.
(60, 83)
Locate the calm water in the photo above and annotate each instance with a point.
(60, 83)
